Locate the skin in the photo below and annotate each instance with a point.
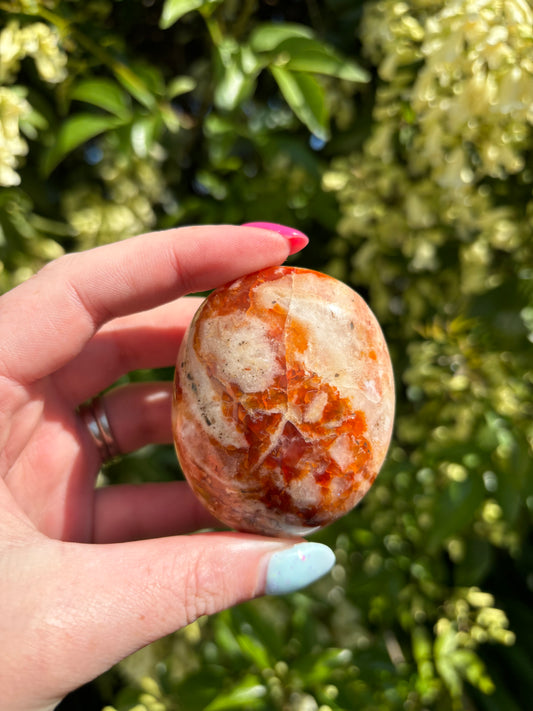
(88, 576)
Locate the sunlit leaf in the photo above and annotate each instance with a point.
(51, 227)
(143, 133)
(171, 118)
(422, 647)
(224, 635)
(180, 85)
(243, 695)
(268, 633)
(104, 93)
(268, 37)
(309, 55)
(75, 131)
(444, 648)
(254, 650)
(238, 68)
(450, 676)
(32, 123)
(306, 98)
(317, 668)
(473, 670)
(173, 10)
(137, 88)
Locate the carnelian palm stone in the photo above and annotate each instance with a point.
(283, 401)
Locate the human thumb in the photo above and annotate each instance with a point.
(110, 600)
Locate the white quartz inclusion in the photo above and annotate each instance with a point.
(242, 349)
(305, 492)
(204, 402)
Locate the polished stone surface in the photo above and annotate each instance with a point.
(284, 401)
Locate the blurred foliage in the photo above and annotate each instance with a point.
(399, 136)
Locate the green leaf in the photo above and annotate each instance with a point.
(456, 509)
(254, 650)
(104, 93)
(75, 131)
(254, 615)
(317, 668)
(199, 688)
(306, 98)
(444, 647)
(421, 645)
(238, 68)
(309, 55)
(51, 227)
(268, 37)
(224, 635)
(472, 668)
(137, 88)
(170, 118)
(180, 85)
(143, 134)
(173, 10)
(450, 677)
(233, 89)
(244, 695)
(31, 123)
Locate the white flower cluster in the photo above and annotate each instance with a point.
(474, 94)
(125, 206)
(459, 79)
(41, 43)
(12, 145)
(448, 148)
(38, 41)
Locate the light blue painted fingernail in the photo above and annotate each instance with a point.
(294, 568)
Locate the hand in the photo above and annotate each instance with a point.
(87, 576)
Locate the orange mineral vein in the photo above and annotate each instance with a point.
(284, 401)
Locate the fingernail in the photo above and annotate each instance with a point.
(294, 568)
(297, 239)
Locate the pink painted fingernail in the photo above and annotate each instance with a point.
(297, 239)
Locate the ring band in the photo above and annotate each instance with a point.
(94, 416)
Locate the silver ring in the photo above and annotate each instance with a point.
(94, 416)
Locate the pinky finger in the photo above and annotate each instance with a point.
(129, 512)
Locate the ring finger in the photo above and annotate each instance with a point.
(139, 414)
(149, 339)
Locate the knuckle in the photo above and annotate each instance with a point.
(184, 277)
(58, 266)
(205, 590)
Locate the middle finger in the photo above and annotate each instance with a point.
(149, 339)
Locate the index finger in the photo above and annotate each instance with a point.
(47, 320)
